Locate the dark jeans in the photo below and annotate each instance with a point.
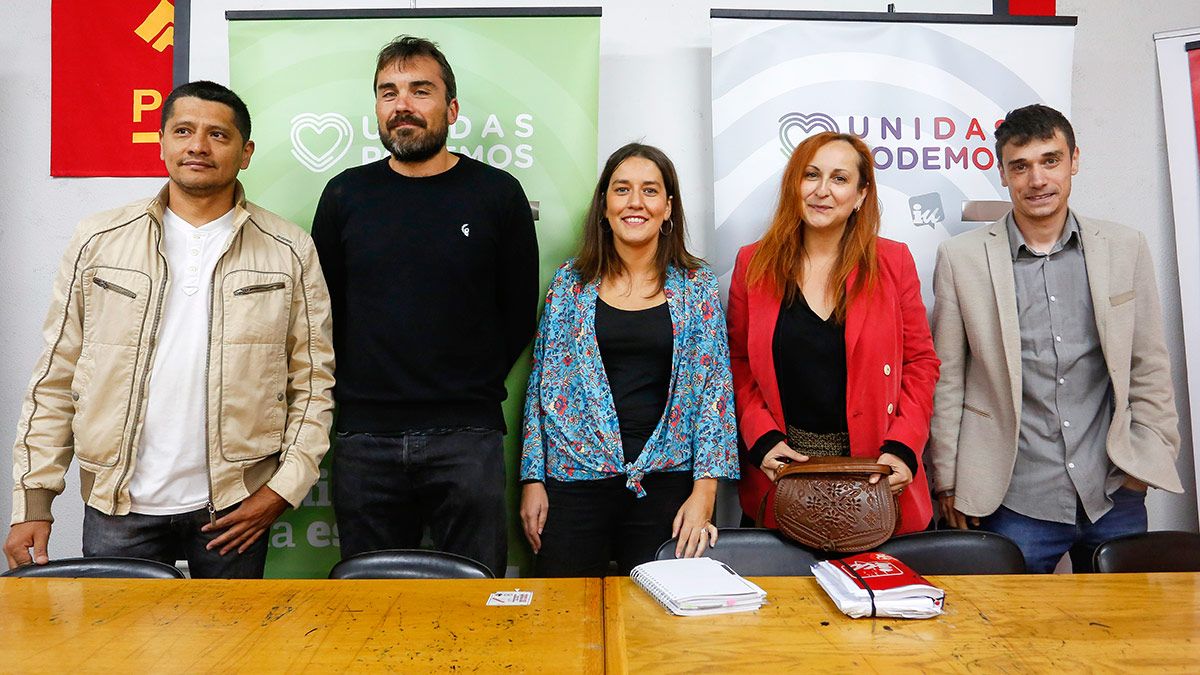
(387, 489)
(1043, 542)
(591, 522)
(168, 539)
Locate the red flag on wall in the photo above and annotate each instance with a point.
(1194, 67)
(110, 71)
(1031, 7)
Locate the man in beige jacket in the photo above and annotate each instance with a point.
(1055, 408)
(188, 365)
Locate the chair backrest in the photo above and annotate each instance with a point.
(99, 568)
(956, 552)
(1165, 551)
(755, 552)
(409, 564)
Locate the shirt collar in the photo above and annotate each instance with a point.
(1016, 240)
(157, 207)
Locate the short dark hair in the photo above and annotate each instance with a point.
(598, 256)
(405, 47)
(1035, 121)
(209, 91)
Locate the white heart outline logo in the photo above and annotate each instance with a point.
(806, 125)
(320, 124)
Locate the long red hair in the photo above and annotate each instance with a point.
(778, 260)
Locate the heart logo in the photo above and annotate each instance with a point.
(320, 125)
(795, 127)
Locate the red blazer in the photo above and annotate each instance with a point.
(891, 370)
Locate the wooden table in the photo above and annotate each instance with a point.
(88, 625)
(1043, 623)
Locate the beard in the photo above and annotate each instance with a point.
(414, 144)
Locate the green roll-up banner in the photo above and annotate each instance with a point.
(527, 87)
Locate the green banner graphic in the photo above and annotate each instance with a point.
(527, 89)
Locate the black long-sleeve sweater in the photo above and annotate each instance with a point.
(434, 288)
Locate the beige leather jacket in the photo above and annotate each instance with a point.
(270, 362)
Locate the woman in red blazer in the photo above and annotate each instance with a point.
(828, 337)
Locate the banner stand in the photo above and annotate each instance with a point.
(1179, 81)
(925, 91)
(528, 83)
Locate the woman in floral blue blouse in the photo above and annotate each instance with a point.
(629, 413)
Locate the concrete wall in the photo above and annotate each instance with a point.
(654, 85)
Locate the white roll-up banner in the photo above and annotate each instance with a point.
(925, 91)
(1179, 80)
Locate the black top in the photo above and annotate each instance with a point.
(636, 347)
(810, 368)
(434, 290)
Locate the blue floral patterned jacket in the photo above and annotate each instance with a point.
(571, 428)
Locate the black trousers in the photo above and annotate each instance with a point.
(169, 539)
(388, 489)
(592, 522)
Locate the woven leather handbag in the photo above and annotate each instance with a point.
(828, 503)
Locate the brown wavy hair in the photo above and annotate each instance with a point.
(778, 260)
(597, 257)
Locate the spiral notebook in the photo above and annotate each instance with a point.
(697, 586)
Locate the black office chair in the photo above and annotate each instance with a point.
(755, 552)
(1164, 551)
(99, 568)
(956, 552)
(409, 564)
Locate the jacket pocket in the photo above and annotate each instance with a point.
(253, 400)
(977, 411)
(260, 288)
(255, 307)
(102, 389)
(1122, 298)
(115, 304)
(109, 286)
(256, 310)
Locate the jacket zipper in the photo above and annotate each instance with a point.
(212, 297)
(110, 286)
(162, 291)
(259, 288)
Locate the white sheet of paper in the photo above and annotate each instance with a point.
(510, 598)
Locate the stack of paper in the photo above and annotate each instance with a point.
(695, 586)
(876, 584)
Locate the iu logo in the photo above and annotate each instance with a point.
(927, 210)
(158, 29)
(466, 229)
(319, 141)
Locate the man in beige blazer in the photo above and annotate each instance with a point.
(1055, 408)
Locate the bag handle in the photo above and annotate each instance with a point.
(845, 465)
(848, 465)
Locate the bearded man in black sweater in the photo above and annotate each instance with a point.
(432, 265)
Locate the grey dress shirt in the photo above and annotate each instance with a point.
(1066, 400)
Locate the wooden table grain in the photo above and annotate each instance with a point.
(296, 625)
(993, 624)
